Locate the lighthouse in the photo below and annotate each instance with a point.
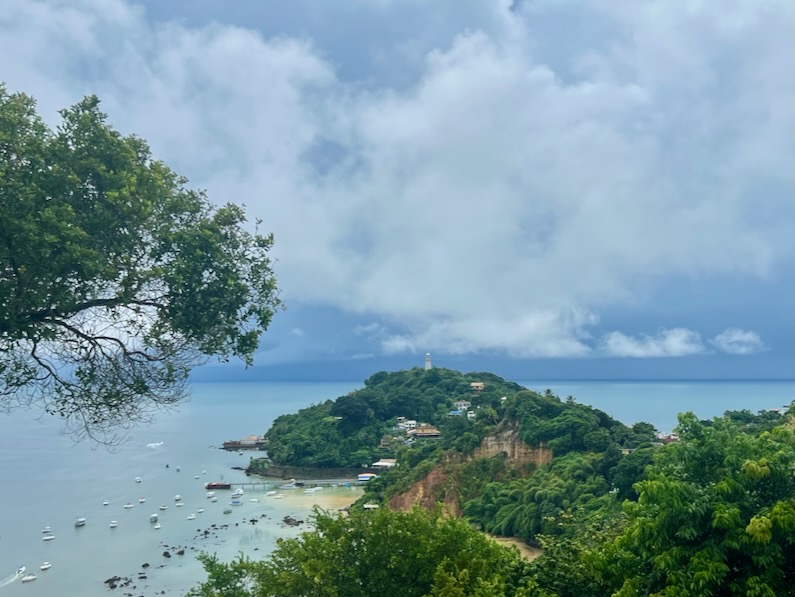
(428, 361)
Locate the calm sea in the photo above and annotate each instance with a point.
(49, 481)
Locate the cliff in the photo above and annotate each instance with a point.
(439, 484)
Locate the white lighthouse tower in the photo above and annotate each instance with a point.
(428, 361)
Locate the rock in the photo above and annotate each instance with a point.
(166, 554)
(181, 552)
(145, 565)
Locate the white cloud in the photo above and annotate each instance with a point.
(499, 200)
(676, 342)
(737, 341)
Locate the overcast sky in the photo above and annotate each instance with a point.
(548, 188)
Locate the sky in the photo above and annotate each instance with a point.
(546, 189)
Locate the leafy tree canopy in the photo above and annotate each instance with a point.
(115, 278)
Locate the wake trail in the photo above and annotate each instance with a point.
(9, 579)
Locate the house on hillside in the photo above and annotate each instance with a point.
(477, 386)
(462, 405)
(425, 431)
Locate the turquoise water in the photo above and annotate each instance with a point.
(49, 480)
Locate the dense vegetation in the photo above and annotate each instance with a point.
(615, 512)
(115, 278)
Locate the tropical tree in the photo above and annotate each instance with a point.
(115, 278)
(715, 516)
(411, 554)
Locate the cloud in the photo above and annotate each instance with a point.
(676, 342)
(519, 180)
(737, 341)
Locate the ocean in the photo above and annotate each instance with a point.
(50, 480)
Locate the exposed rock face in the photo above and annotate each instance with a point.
(437, 486)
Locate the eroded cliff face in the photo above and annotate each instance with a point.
(437, 486)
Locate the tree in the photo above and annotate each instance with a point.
(115, 278)
(381, 552)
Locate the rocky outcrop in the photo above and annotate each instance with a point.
(438, 486)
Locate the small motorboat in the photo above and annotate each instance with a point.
(164, 507)
(278, 496)
(200, 510)
(127, 506)
(45, 566)
(156, 526)
(177, 469)
(80, 522)
(204, 472)
(113, 524)
(270, 493)
(237, 492)
(235, 503)
(138, 480)
(153, 518)
(48, 537)
(179, 504)
(253, 500)
(210, 494)
(291, 484)
(213, 499)
(227, 510)
(46, 530)
(21, 571)
(28, 577)
(141, 500)
(195, 476)
(105, 503)
(177, 498)
(191, 517)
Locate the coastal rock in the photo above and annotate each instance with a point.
(145, 565)
(181, 552)
(166, 554)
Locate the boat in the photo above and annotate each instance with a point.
(200, 510)
(237, 492)
(179, 504)
(177, 497)
(46, 530)
(217, 485)
(191, 517)
(235, 503)
(80, 522)
(141, 500)
(157, 526)
(253, 500)
(138, 480)
(164, 507)
(227, 510)
(153, 518)
(278, 496)
(113, 524)
(127, 506)
(312, 489)
(48, 537)
(213, 499)
(204, 472)
(291, 484)
(28, 577)
(270, 493)
(105, 503)
(45, 566)
(210, 494)
(21, 571)
(195, 476)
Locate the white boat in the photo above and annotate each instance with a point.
(200, 510)
(177, 497)
(179, 504)
(46, 530)
(270, 493)
(204, 472)
(80, 522)
(113, 524)
(21, 571)
(235, 503)
(195, 476)
(312, 489)
(48, 537)
(253, 500)
(210, 494)
(153, 518)
(127, 506)
(138, 479)
(141, 500)
(45, 566)
(213, 499)
(191, 517)
(157, 526)
(237, 492)
(105, 503)
(28, 577)
(227, 510)
(164, 507)
(289, 485)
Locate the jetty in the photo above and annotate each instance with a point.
(252, 442)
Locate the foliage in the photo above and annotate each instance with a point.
(115, 278)
(416, 553)
(715, 515)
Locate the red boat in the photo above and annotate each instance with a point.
(218, 485)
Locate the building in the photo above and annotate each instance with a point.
(477, 386)
(462, 405)
(384, 463)
(426, 431)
